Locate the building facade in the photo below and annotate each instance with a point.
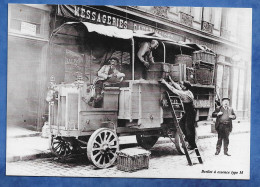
(226, 31)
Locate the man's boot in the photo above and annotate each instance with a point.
(227, 154)
(217, 152)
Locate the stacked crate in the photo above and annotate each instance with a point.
(204, 64)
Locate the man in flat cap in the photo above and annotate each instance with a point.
(224, 115)
(187, 122)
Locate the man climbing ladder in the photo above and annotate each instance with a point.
(184, 123)
(177, 111)
(187, 122)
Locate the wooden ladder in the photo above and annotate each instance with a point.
(177, 111)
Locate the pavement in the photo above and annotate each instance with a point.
(23, 144)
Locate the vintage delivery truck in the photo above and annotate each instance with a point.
(136, 106)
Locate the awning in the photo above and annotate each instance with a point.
(110, 31)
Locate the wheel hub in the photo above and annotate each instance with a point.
(104, 148)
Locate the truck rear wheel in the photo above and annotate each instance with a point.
(146, 142)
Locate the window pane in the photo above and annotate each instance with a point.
(34, 17)
(217, 18)
(15, 24)
(207, 14)
(197, 13)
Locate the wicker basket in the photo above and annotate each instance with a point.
(204, 56)
(133, 159)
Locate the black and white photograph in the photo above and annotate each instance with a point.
(128, 91)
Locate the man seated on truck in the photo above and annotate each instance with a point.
(187, 123)
(108, 75)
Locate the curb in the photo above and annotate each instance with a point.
(48, 154)
(26, 135)
(215, 135)
(29, 157)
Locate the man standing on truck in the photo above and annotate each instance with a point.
(224, 115)
(145, 52)
(187, 123)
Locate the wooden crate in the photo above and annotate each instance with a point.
(111, 98)
(183, 59)
(204, 76)
(133, 159)
(178, 72)
(157, 71)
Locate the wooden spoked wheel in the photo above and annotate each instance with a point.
(102, 147)
(60, 147)
(178, 144)
(146, 142)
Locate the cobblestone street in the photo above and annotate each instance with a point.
(164, 163)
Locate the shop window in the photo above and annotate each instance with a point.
(26, 20)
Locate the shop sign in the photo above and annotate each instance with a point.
(89, 14)
(84, 13)
(28, 28)
(141, 27)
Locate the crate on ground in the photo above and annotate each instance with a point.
(158, 70)
(183, 59)
(133, 159)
